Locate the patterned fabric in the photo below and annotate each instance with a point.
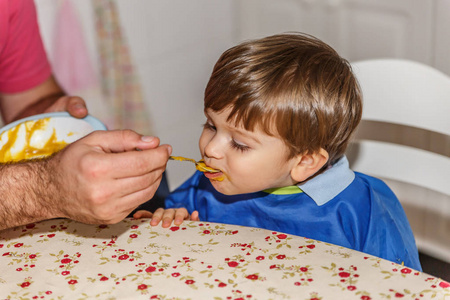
(119, 81)
(63, 259)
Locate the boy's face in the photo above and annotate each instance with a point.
(249, 161)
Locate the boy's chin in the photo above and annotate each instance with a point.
(220, 188)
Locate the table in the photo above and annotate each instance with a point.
(63, 259)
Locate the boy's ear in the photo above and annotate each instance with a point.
(308, 165)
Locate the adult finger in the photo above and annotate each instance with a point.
(116, 141)
(76, 107)
(132, 164)
(138, 190)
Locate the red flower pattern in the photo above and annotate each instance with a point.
(405, 271)
(344, 274)
(252, 277)
(65, 260)
(233, 264)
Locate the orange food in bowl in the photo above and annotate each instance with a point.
(20, 146)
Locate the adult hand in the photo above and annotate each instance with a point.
(58, 102)
(74, 105)
(101, 178)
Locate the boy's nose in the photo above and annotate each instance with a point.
(214, 148)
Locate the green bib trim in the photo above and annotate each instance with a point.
(287, 190)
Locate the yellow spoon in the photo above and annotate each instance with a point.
(199, 165)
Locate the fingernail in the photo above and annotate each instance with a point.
(169, 149)
(147, 138)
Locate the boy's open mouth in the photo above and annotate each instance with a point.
(217, 176)
(210, 173)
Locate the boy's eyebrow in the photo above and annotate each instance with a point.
(245, 133)
(232, 127)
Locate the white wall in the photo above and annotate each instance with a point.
(359, 29)
(174, 45)
(442, 36)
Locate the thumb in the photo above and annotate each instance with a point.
(76, 107)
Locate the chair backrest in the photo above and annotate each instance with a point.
(404, 138)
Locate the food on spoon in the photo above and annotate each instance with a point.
(212, 174)
(29, 140)
(202, 167)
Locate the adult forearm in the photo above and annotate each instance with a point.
(29, 102)
(41, 105)
(27, 193)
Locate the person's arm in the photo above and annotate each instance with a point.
(98, 179)
(27, 86)
(45, 97)
(177, 215)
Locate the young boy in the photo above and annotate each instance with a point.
(280, 112)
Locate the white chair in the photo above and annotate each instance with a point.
(404, 139)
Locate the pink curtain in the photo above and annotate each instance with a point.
(118, 84)
(71, 62)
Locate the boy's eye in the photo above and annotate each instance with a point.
(238, 146)
(209, 126)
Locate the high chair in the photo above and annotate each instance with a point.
(404, 139)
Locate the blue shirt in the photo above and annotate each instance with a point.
(339, 206)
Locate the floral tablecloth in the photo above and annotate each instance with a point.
(63, 259)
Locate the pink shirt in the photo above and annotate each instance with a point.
(23, 61)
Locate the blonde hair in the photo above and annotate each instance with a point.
(291, 85)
